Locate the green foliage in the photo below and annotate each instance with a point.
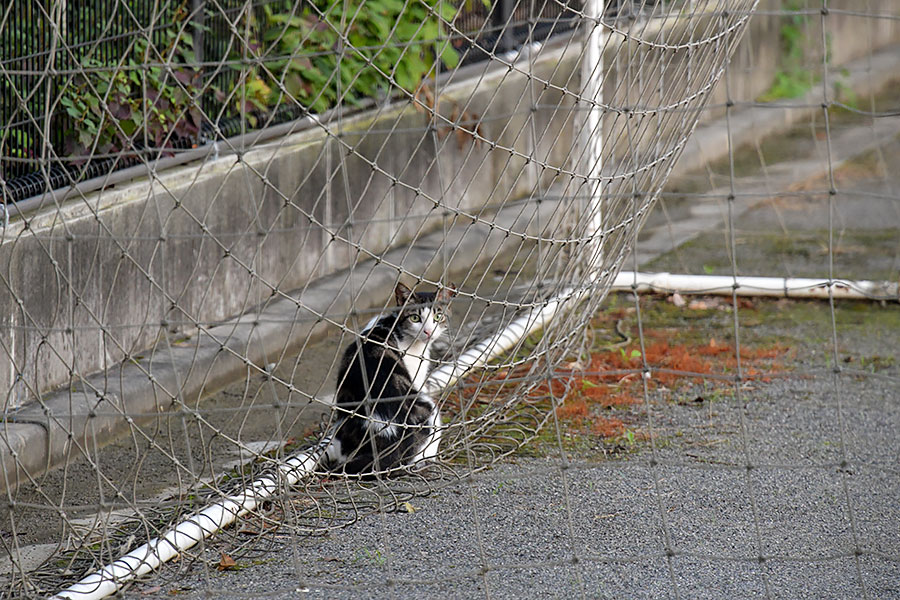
(21, 145)
(843, 92)
(372, 557)
(17, 44)
(793, 78)
(631, 355)
(112, 108)
(788, 84)
(330, 52)
(315, 54)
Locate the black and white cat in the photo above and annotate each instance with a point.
(384, 418)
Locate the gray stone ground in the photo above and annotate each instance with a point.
(560, 528)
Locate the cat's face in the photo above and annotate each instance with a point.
(423, 315)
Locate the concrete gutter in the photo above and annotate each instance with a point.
(711, 213)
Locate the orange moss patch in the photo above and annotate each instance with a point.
(585, 395)
(612, 379)
(673, 363)
(606, 396)
(577, 408)
(607, 427)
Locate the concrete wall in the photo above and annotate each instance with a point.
(640, 77)
(849, 35)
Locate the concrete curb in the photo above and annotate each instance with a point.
(711, 214)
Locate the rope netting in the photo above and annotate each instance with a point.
(208, 201)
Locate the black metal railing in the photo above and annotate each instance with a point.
(34, 72)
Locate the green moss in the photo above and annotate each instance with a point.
(793, 78)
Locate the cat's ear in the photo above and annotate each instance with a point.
(401, 293)
(446, 293)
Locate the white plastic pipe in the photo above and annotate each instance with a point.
(479, 354)
(591, 134)
(780, 287)
(223, 513)
(187, 533)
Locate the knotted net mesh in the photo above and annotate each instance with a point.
(206, 200)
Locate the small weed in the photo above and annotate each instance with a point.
(372, 557)
(719, 394)
(631, 355)
(873, 364)
(793, 78)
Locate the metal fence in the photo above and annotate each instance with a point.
(49, 52)
(37, 67)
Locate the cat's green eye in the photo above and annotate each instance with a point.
(438, 316)
(415, 318)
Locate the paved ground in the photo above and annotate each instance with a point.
(817, 494)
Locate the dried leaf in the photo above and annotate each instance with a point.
(424, 99)
(226, 562)
(698, 305)
(747, 304)
(408, 507)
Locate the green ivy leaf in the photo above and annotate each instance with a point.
(128, 126)
(85, 138)
(449, 56)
